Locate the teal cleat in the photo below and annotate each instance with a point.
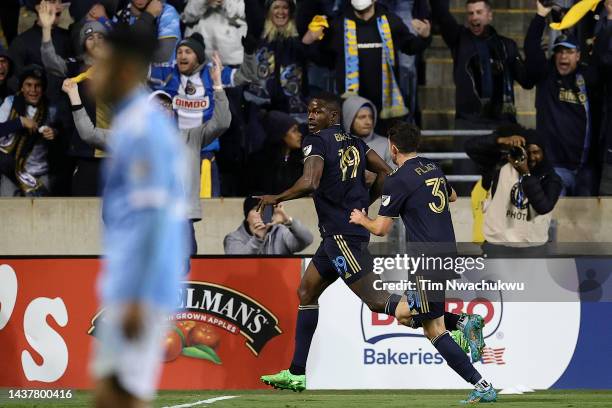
(284, 380)
(481, 397)
(472, 330)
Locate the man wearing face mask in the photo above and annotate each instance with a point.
(363, 44)
(486, 65)
(566, 106)
(523, 186)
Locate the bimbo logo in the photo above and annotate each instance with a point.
(377, 326)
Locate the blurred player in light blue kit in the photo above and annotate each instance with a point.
(145, 226)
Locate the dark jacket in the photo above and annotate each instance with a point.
(542, 188)
(25, 50)
(561, 118)
(330, 50)
(287, 83)
(470, 103)
(269, 171)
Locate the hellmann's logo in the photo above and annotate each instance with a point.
(224, 308)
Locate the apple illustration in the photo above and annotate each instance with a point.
(185, 327)
(173, 345)
(203, 334)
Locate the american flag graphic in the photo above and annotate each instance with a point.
(493, 355)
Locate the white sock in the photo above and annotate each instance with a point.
(482, 385)
(462, 321)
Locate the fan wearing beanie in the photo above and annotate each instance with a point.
(89, 117)
(190, 84)
(279, 163)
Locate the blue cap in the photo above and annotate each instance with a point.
(566, 41)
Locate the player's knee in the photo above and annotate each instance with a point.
(306, 295)
(433, 328)
(377, 306)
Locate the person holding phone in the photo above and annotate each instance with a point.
(271, 232)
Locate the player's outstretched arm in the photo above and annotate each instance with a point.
(379, 226)
(306, 184)
(378, 166)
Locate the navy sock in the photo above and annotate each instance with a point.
(451, 320)
(307, 319)
(456, 358)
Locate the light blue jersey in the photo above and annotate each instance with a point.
(145, 229)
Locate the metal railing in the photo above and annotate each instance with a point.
(457, 178)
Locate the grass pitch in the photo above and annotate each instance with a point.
(343, 399)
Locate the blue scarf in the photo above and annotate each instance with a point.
(393, 105)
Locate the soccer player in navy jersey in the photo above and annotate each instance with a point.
(419, 193)
(334, 172)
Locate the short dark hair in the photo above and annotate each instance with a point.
(486, 2)
(133, 42)
(405, 136)
(332, 101)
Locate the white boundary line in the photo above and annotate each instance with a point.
(206, 401)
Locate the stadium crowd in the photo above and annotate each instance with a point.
(237, 76)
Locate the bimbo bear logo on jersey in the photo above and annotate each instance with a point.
(376, 327)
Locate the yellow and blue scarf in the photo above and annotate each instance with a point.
(393, 105)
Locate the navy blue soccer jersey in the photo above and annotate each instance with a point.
(418, 192)
(342, 186)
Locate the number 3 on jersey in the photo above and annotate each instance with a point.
(349, 157)
(436, 191)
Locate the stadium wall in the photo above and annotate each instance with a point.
(60, 226)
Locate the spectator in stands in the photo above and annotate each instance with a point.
(166, 21)
(194, 138)
(279, 164)
(486, 65)
(5, 73)
(523, 186)
(282, 61)
(363, 46)
(189, 81)
(565, 106)
(27, 128)
(282, 235)
(93, 10)
(603, 48)
(359, 118)
(221, 23)
(84, 177)
(408, 10)
(25, 48)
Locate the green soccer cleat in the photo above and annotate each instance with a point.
(285, 381)
(481, 397)
(472, 331)
(460, 339)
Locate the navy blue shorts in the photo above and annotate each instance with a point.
(426, 302)
(344, 257)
